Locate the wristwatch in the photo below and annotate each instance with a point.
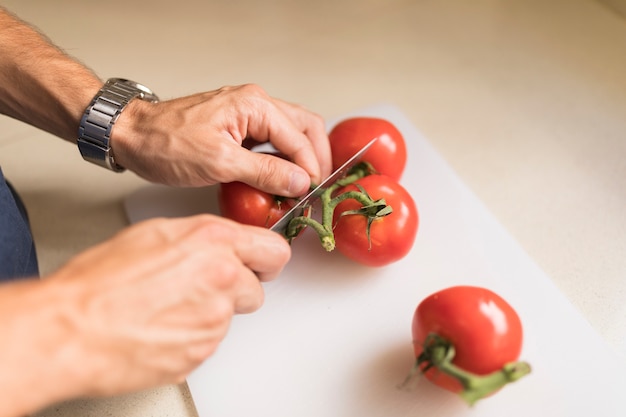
(94, 132)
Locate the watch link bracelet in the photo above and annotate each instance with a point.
(94, 132)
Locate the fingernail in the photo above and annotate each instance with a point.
(299, 183)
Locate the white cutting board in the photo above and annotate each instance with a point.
(334, 338)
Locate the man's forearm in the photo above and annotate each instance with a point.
(39, 83)
(39, 364)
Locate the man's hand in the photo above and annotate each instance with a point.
(156, 300)
(139, 310)
(197, 140)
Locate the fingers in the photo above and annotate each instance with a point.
(295, 132)
(246, 255)
(312, 125)
(264, 252)
(270, 173)
(209, 257)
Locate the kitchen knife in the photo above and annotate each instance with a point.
(298, 210)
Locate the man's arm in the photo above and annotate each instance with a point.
(36, 347)
(39, 83)
(140, 310)
(191, 141)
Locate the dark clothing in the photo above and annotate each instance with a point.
(17, 250)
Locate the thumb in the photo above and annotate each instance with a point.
(272, 174)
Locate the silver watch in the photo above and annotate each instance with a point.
(94, 132)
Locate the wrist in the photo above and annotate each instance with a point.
(131, 127)
(100, 118)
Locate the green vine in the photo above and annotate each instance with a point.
(439, 353)
(372, 209)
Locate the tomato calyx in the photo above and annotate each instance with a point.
(439, 353)
(370, 208)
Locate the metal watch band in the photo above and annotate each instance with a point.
(94, 132)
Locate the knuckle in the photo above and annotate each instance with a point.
(226, 276)
(219, 229)
(219, 313)
(268, 172)
(225, 89)
(283, 252)
(153, 233)
(228, 170)
(253, 89)
(317, 119)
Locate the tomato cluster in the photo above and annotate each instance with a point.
(466, 340)
(378, 240)
(368, 216)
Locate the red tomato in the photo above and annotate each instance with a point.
(391, 237)
(484, 329)
(245, 204)
(387, 155)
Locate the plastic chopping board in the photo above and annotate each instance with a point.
(333, 338)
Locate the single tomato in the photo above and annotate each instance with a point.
(390, 237)
(245, 204)
(478, 331)
(387, 155)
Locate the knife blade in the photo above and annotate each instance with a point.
(298, 210)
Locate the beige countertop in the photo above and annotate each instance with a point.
(526, 99)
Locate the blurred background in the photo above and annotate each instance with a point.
(525, 99)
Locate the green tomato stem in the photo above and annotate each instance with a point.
(439, 353)
(324, 229)
(326, 235)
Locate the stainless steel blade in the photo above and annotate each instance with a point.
(298, 210)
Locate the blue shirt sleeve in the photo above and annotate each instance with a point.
(18, 257)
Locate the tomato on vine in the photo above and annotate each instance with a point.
(245, 204)
(368, 236)
(467, 340)
(388, 155)
(367, 215)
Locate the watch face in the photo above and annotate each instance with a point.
(144, 92)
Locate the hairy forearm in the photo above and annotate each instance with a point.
(39, 83)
